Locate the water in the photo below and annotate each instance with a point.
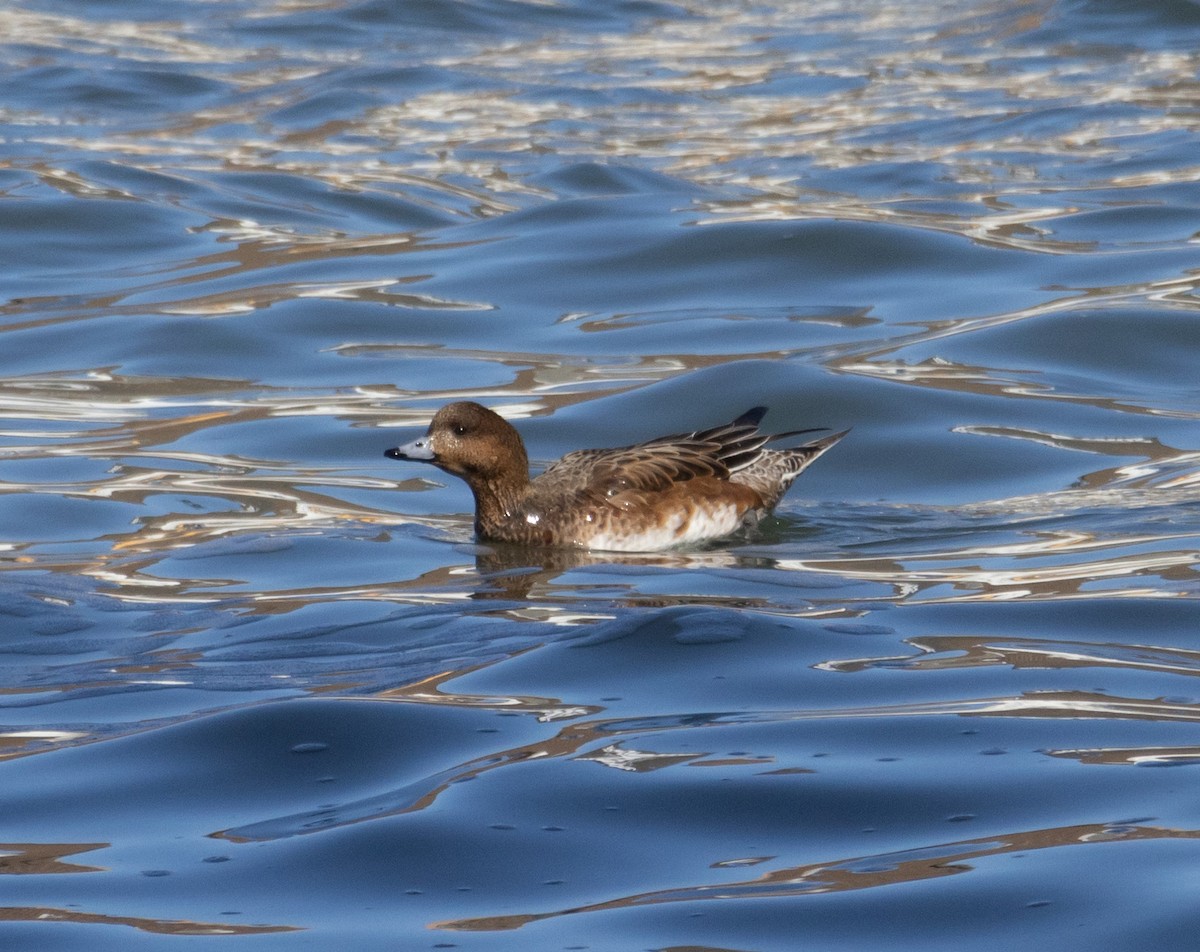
(259, 681)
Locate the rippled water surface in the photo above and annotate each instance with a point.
(261, 687)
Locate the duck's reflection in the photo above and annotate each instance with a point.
(524, 574)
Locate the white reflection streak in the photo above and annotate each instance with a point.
(1038, 706)
(224, 486)
(49, 736)
(147, 581)
(1000, 578)
(1033, 705)
(1144, 755)
(1163, 290)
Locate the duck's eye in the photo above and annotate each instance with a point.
(459, 430)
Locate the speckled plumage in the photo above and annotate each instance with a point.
(670, 491)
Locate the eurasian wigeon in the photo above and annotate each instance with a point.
(670, 491)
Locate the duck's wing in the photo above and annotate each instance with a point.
(659, 464)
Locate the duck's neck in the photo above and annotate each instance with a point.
(497, 498)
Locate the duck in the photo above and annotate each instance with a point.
(668, 492)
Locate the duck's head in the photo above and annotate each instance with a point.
(470, 441)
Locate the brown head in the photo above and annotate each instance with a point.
(478, 445)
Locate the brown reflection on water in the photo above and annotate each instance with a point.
(948, 652)
(1133, 756)
(21, 743)
(1067, 574)
(1085, 704)
(863, 872)
(23, 858)
(432, 690)
(255, 250)
(155, 926)
(541, 383)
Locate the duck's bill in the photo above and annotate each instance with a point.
(417, 449)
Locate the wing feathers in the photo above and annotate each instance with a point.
(660, 463)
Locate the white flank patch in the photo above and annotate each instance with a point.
(684, 528)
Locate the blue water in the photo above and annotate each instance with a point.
(259, 684)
